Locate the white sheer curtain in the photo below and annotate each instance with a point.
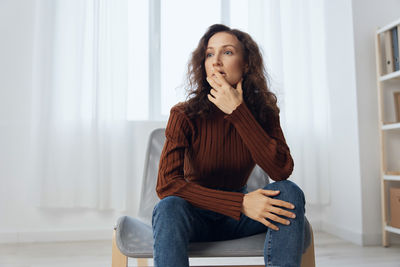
(80, 96)
(292, 36)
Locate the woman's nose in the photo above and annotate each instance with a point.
(217, 62)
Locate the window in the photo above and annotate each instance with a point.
(162, 37)
(182, 25)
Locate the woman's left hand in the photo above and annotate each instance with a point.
(223, 95)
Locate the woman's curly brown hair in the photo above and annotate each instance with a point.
(256, 94)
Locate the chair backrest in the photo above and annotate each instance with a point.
(148, 198)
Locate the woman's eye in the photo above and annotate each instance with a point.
(226, 52)
(210, 54)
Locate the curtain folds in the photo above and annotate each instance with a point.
(79, 115)
(292, 36)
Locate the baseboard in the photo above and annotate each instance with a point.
(56, 236)
(343, 233)
(8, 237)
(361, 239)
(374, 239)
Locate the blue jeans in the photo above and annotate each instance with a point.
(176, 222)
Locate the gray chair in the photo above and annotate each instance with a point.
(133, 236)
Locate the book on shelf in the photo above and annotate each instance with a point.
(395, 46)
(387, 38)
(391, 39)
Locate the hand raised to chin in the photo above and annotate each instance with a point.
(223, 95)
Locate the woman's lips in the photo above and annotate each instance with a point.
(223, 74)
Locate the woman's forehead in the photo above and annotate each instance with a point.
(222, 39)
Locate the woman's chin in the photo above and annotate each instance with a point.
(233, 84)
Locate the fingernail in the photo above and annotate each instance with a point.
(287, 222)
(292, 206)
(294, 216)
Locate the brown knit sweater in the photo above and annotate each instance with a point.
(202, 158)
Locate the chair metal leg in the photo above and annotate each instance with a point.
(308, 258)
(118, 259)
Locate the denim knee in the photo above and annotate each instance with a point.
(289, 191)
(172, 219)
(170, 206)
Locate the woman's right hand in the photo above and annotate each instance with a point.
(258, 205)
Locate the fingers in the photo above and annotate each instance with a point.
(213, 82)
(276, 218)
(281, 212)
(220, 78)
(268, 224)
(213, 92)
(269, 192)
(212, 99)
(281, 203)
(277, 202)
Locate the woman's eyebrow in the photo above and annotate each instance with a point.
(210, 47)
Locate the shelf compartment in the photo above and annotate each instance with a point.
(392, 229)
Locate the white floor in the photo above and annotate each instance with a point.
(330, 252)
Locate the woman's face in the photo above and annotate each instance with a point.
(224, 53)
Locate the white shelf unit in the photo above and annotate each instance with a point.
(391, 126)
(392, 229)
(392, 75)
(389, 178)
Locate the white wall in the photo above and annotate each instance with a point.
(367, 16)
(20, 218)
(342, 216)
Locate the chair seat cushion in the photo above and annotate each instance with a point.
(135, 239)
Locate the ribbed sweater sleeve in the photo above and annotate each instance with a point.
(171, 179)
(270, 152)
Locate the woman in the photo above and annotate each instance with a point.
(213, 141)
